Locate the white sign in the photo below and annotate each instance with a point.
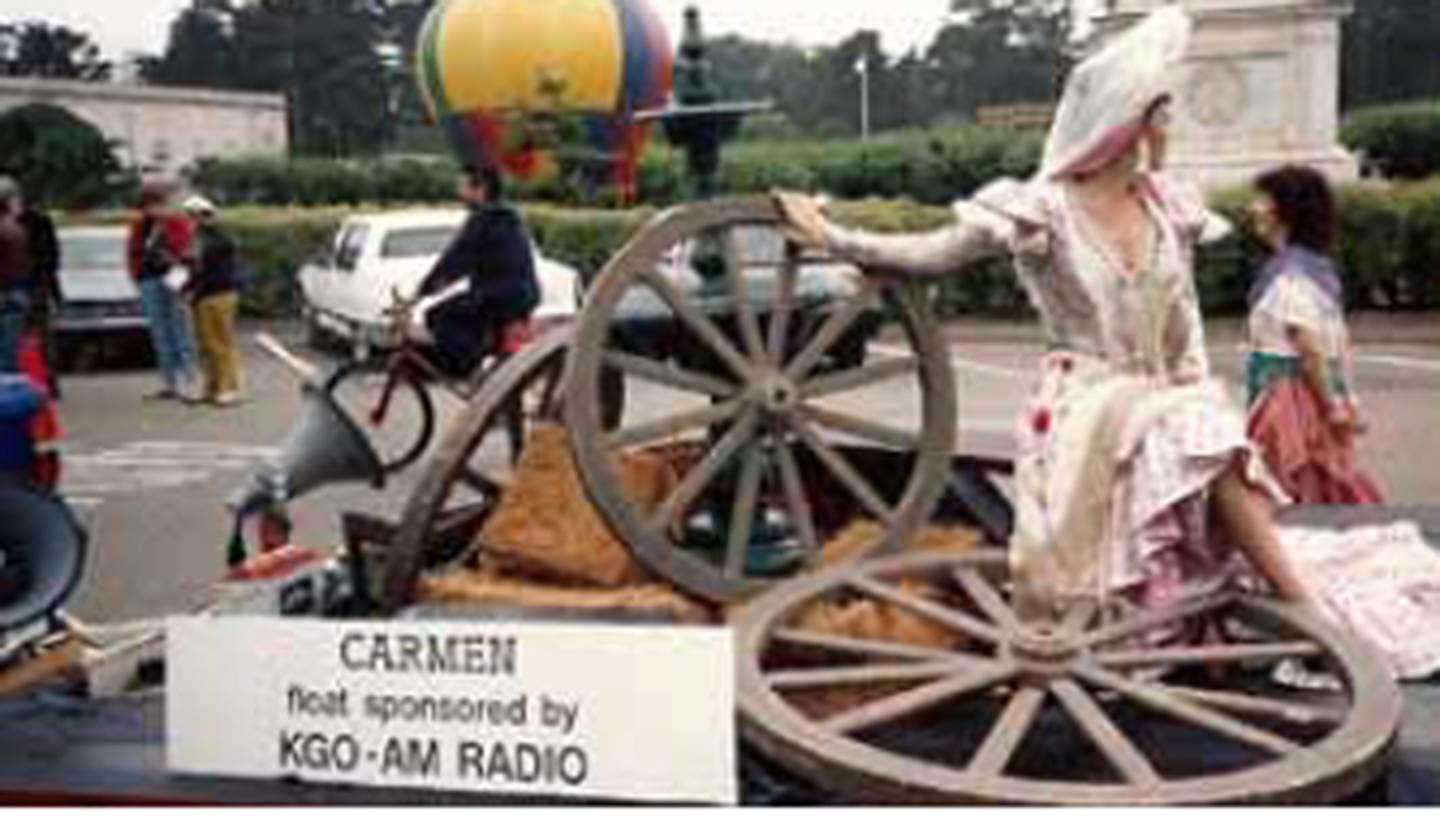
(569, 710)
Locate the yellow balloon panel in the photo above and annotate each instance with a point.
(496, 54)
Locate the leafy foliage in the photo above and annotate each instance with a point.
(57, 158)
(1402, 141)
(1388, 51)
(334, 60)
(38, 49)
(931, 166)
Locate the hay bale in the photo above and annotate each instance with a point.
(861, 538)
(865, 618)
(546, 527)
(491, 587)
(870, 619)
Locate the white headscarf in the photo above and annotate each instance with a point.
(1108, 95)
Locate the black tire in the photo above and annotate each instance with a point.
(402, 436)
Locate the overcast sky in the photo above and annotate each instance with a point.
(122, 26)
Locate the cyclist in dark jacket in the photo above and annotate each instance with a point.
(484, 281)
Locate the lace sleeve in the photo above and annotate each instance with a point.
(1185, 204)
(1000, 219)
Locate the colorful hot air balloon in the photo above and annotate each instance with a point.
(488, 69)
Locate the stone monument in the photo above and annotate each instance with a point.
(1259, 87)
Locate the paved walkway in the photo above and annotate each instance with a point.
(1367, 328)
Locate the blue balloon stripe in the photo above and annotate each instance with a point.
(645, 55)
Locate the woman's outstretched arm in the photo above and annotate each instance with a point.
(939, 252)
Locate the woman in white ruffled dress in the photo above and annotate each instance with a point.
(1128, 444)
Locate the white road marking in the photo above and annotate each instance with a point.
(90, 478)
(1399, 362)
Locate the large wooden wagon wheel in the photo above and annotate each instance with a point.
(462, 484)
(1090, 710)
(762, 377)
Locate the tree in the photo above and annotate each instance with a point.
(201, 50)
(57, 158)
(998, 52)
(1388, 53)
(326, 56)
(39, 49)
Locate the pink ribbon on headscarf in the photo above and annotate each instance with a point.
(1115, 143)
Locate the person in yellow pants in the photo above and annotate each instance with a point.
(214, 291)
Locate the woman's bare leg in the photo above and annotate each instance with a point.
(1251, 524)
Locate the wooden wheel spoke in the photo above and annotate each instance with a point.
(740, 294)
(460, 518)
(897, 706)
(986, 597)
(1226, 653)
(1135, 624)
(1288, 711)
(742, 515)
(550, 403)
(862, 428)
(858, 646)
(784, 305)
(1007, 733)
(1078, 616)
(666, 427)
(844, 472)
(945, 616)
(832, 330)
(1158, 699)
(795, 499)
(1097, 725)
(479, 482)
(704, 473)
(669, 375)
(863, 675)
(861, 377)
(703, 327)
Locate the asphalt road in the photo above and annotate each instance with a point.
(150, 479)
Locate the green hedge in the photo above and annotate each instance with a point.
(1401, 141)
(1390, 248)
(931, 166)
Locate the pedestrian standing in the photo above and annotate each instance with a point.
(215, 293)
(15, 274)
(158, 246)
(1304, 414)
(45, 294)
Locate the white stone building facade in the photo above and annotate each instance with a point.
(162, 130)
(1259, 88)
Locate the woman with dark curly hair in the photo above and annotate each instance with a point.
(1303, 412)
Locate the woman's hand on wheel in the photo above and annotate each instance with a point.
(803, 219)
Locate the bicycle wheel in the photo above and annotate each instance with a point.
(400, 429)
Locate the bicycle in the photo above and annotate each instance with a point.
(400, 421)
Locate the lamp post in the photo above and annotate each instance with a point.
(862, 67)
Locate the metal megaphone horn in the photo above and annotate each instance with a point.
(325, 447)
(42, 553)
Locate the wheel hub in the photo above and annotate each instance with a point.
(1043, 651)
(776, 393)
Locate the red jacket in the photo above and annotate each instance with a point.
(177, 234)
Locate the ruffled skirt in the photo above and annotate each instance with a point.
(1112, 485)
(1312, 463)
